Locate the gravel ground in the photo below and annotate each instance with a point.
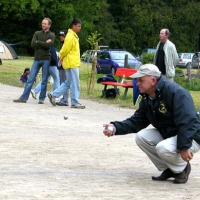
(46, 157)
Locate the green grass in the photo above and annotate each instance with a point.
(11, 70)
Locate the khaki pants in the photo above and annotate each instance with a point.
(162, 152)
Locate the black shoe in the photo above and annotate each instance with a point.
(164, 176)
(61, 104)
(41, 102)
(78, 105)
(183, 176)
(20, 100)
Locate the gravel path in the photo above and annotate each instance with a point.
(43, 156)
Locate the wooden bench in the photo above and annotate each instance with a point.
(120, 73)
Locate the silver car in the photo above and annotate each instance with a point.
(185, 60)
(196, 60)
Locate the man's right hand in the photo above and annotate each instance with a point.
(108, 132)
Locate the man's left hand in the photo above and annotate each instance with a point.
(49, 40)
(186, 155)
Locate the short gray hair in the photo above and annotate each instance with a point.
(167, 31)
(49, 20)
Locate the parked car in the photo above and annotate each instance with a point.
(185, 60)
(83, 56)
(149, 50)
(88, 55)
(195, 60)
(109, 60)
(102, 47)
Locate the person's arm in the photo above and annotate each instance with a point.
(67, 46)
(48, 43)
(33, 41)
(132, 124)
(175, 56)
(185, 118)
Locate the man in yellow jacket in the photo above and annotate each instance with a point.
(70, 60)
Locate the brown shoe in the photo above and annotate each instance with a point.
(183, 176)
(164, 176)
(51, 99)
(20, 100)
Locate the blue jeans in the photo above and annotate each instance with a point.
(71, 82)
(63, 77)
(37, 64)
(56, 80)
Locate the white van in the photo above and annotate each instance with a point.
(103, 47)
(149, 50)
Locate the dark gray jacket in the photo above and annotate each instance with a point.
(42, 48)
(172, 112)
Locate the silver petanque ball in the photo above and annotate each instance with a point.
(65, 117)
(110, 128)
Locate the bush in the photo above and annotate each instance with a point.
(178, 71)
(147, 58)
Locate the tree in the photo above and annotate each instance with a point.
(20, 19)
(186, 25)
(93, 40)
(95, 16)
(129, 24)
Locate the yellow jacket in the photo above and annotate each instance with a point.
(70, 52)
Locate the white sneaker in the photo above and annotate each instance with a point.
(57, 99)
(33, 94)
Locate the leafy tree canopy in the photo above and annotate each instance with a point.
(129, 24)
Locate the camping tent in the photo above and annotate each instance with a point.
(6, 51)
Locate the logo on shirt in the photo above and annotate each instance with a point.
(162, 108)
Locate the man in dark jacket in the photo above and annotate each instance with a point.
(175, 135)
(41, 42)
(64, 100)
